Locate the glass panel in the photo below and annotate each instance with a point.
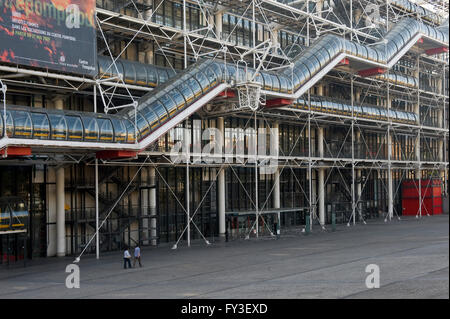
(296, 81)
(283, 84)
(160, 111)
(152, 77)
(322, 57)
(130, 131)
(347, 109)
(275, 83)
(267, 81)
(162, 76)
(120, 131)
(217, 71)
(142, 125)
(106, 130)
(90, 129)
(168, 103)
(203, 80)
(130, 73)
(302, 103)
(303, 74)
(103, 65)
(195, 86)
(75, 128)
(141, 75)
(187, 92)
(22, 124)
(41, 126)
(392, 114)
(177, 97)
(212, 76)
(316, 103)
(58, 127)
(149, 122)
(312, 65)
(9, 124)
(232, 71)
(113, 69)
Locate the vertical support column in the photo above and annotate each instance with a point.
(322, 196)
(390, 182)
(187, 139)
(97, 236)
(149, 54)
(218, 18)
(185, 34)
(274, 37)
(320, 142)
(354, 199)
(417, 141)
(148, 13)
(441, 144)
(60, 214)
(321, 178)
(357, 96)
(221, 182)
(152, 205)
(60, 200)
(320, 89)
(314, 191)
(51, 216)
(319, 7)
(276, 175)
(358, 175)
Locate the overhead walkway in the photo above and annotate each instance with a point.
(181, 95)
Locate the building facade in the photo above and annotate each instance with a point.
(290, 113)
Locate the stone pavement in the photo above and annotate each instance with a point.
(413, 256)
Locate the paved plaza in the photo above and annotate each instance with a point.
(413, 257)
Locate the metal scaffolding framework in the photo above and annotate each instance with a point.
(138, 30)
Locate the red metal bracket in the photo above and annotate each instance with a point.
(370, 72)
(227, 94)
(115, 154)
(278, 102)
(15, 151)
(436, 51)
(344, 61)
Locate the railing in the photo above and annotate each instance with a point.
(88, 214)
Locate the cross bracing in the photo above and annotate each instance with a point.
(126, 32)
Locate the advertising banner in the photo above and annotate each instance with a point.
(52, 34)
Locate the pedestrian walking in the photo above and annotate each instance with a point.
(137, 256)
(126, 258)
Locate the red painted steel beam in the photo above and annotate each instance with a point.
(115, 154)
(370, 72)
(15, 151)
(227, 94)
(278, 102)
(436, 51)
